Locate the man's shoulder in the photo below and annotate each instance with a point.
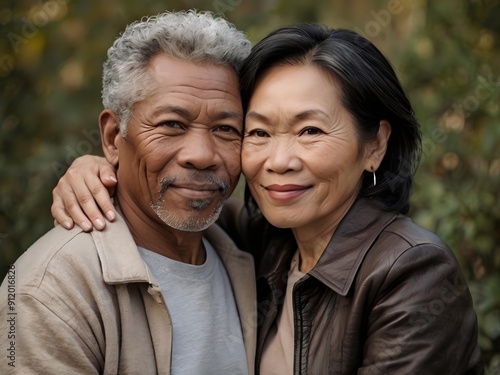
(57, 251)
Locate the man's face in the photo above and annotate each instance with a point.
(180, 159)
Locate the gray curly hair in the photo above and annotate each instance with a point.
(190, 35)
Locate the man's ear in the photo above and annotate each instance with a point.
(377, 148)
(111, 137)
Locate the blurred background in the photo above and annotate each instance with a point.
(447, 54)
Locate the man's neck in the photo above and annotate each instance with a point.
(156, 236)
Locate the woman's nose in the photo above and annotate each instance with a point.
(283, 156)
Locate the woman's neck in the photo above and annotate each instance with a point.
(311, 248)
(313, 239)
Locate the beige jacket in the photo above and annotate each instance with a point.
(79, 303)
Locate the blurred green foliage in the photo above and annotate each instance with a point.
(446, 53)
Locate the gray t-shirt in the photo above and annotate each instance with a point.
(207, 336)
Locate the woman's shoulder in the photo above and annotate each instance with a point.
(411, 233)
(403, 243)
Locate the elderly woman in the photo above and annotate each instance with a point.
(352, 285)
(347, 283)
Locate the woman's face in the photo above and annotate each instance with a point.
(300, 152)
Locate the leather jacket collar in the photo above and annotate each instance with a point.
(338, 265)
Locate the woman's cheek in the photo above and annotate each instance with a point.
(248, 163)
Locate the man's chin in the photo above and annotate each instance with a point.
(193, 221)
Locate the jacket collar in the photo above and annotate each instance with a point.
(358, 230)
(122, 262)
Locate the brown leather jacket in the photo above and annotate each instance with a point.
(386, 297)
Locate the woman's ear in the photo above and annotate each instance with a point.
(111, 137)
(377, 148)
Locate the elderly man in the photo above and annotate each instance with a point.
(163, 289)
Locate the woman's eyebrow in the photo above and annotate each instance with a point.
(305, 115)
(258, 116)
(311, 113)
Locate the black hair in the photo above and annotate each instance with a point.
(371, 92)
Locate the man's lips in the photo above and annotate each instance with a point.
(199, 187)
(196, 190)
(194, 186)
(285, 193)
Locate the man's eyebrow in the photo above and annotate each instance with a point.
(171, 109)
(228, 115)
(184, 113)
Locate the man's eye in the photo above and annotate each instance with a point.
(227, 129)
(172, 124)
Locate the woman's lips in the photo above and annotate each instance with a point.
(284, 193)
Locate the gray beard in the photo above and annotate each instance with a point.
(190, 224)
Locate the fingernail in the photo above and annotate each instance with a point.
(67, 225)
(99, 223)
(86, 225)
(112, 178)
(110, 215)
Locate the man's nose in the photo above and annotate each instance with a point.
(198, 151)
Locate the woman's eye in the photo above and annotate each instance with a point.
(257, 133)
(310, 131)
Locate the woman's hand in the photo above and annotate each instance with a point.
(83, 194)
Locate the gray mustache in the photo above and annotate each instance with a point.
(202, 177)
